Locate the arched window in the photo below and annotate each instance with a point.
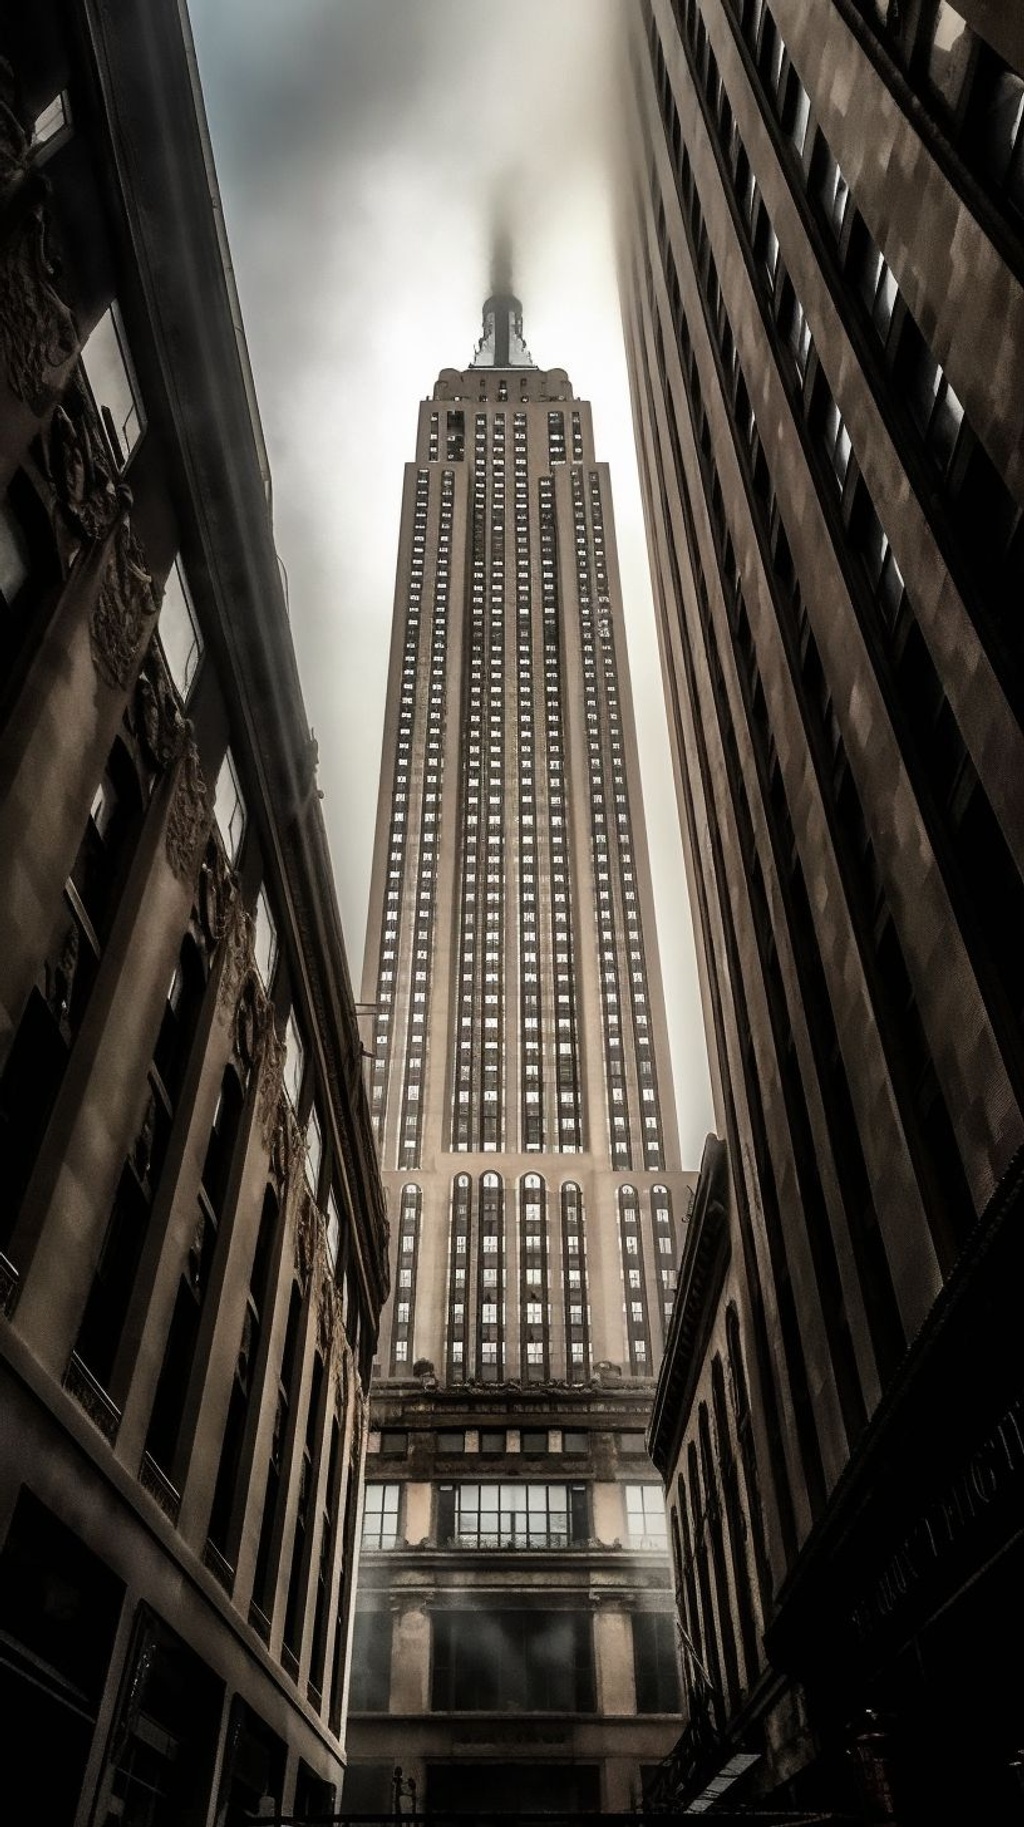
(458, 1278)
(491, 1280)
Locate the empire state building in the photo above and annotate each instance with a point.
(522, 1094)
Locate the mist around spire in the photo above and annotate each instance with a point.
(501, 256)
(502, 344)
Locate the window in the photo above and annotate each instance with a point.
(294, 1054)
(333, 1228)
(112, 385)
(575, 1440)
(513, 1661)
(645, 1516)
(53, 119)
(180, 639)
(265, 939)
(492, 1440)
(631, 1443)
(394, 1442)
(512, 1515)
(314, 1150)
(380, 1516)
(229, 807)
(655, 1663)
(534, 1440)
(451, 1440)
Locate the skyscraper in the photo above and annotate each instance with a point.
(513, 1558)
(823, 266)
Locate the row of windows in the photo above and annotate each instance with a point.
(611, 841)
(916, 683)
(514, 1514)
(398, 834)
(478, 1052)
(479, 1238)
(977, 99)
(516, 1661)
(492, 1441)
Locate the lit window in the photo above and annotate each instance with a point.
(112, 384)
(645, 1515)
(55, 116)
(333, 1227)
(229, 807)
(380, 1516)
(293, 1059)
(314, 1149)
(265, 940)
(180, 639)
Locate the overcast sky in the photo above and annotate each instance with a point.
(362, 147)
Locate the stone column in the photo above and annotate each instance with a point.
(613, 1658)
(410, 1660)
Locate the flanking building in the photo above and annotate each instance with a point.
(823, 282)
(192, 1230)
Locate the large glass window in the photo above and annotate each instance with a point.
(512, 1515)
(380, 1516)
(229, 807)
(655, 1662)
(180, 636)
(645, 1514)
(514, 1661)
(112, 383)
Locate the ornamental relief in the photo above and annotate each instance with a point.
(188, 820)
(305, 1238)
(76, 462)
(156, 714)
(236, 945)
(271, 1081)
(38, 337)
(214, 892)
(126, 605)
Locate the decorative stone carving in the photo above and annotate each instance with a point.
(38, 337)
(305, 1238)
(15, 133)
(125, 606)
(252, 1020)
(238, 960)
(158, 719)
(326, 1317)
(213, 897)
(271, 1077)
(188, 820)
(77, 463)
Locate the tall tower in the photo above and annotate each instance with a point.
(521, 1088)
(823, 268)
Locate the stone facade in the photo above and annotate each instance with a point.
(822, 276)
(192, 1230)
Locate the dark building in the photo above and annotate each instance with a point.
(192, 1235)
(823, 258)
(515, 1636)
